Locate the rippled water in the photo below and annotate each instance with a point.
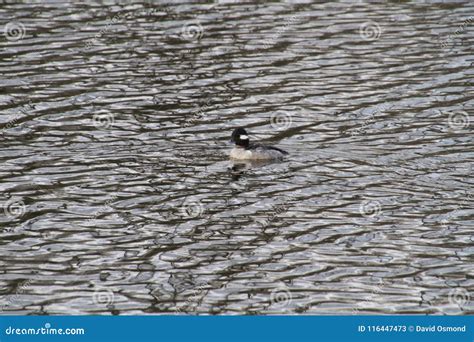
(118, 196)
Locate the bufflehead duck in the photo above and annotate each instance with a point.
(244, 150)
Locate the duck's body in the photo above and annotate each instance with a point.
(243, 150)
(257, 152)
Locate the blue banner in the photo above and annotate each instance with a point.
(236, 328)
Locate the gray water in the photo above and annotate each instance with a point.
(118, 196)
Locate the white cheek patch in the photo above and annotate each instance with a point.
(244, 137)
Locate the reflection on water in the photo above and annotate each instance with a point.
(118, 196)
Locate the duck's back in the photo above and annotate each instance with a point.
(260, 151)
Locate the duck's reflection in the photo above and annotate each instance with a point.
(249, 164)
(238, 168)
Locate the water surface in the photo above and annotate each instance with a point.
(119, 198)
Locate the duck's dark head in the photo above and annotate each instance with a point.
(240, 137)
